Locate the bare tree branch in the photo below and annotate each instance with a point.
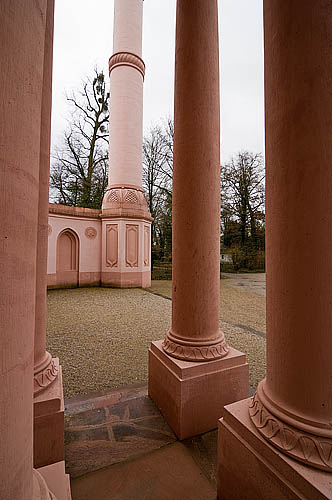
(79, 165)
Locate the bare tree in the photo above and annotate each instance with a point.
(242, 206)
(79, 167)
(157, 182)
(243, 192)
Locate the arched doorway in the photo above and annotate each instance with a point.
(67, 259)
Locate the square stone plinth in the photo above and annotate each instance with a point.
(191, 395)
(48, 432)
(250, 468)
(57, 480)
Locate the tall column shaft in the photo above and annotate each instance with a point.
(126, 88)
(293, 405)
(193, 373)
(21, 63)
(126, 228)
(195, 332)
(45, 370)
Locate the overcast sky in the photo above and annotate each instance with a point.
(83, 39)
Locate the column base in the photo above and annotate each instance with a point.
(249, 467)
(191, 395)
(57, 480)
(48, 432)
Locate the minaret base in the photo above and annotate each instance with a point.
(126, 238)
(126, 253)
(249, 467)
(191, 395)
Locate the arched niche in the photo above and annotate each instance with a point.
(67, 261)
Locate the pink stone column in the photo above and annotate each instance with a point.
(292, 408)
(45, 370)
(127, 71)
(195, 333)
(21, 65)
(48, 392)
(126, 226)
(193, 373)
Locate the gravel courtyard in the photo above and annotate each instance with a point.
(102, 335)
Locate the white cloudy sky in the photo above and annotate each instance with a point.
(83, 40)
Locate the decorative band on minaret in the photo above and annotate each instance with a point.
(126, 243)
(127, 59)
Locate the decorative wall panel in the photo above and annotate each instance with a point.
(112, 245)
(146, 245)
(132, 231)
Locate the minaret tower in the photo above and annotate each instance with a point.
(126, 246)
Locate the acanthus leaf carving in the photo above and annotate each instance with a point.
(195, 353)
(310, 449)
(44, 378)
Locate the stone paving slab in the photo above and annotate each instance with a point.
(109, 428)
(102, 430)
(169, 473)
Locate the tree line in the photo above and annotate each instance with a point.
(79, 173)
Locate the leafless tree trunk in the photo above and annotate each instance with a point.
(80, 163)
(157, 181)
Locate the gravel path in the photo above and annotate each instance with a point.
(102, 335)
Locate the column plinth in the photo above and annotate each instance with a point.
(193, 371)
(250, 467)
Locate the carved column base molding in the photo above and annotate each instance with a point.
(44, 374)
(306, 442)
(200, 352)
(40, 489)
